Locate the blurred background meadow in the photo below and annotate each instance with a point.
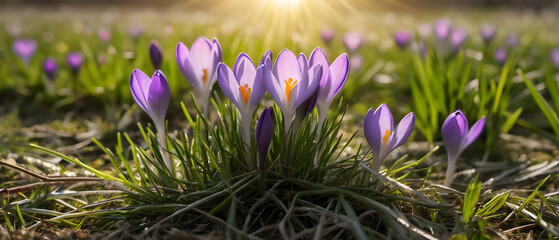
(65, 76)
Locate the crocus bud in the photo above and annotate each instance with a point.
(306, 107)
(442, 29)
(512, 40)
(50, 68)
(327, 35)
(500, 55)
(264, 135)
(75, 61)
(353, 41)
(458, 38)
(487, 33)
(381, 134)
(155, 54)
(555, 56)
(25, 49)
(402, 39)
(457, 137)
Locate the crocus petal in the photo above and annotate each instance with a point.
(159, 96)
(319, 57)
(385, 120)
(139, 86)
(228, 84)
(307, 88)
(402, 132)
(259, 85)
(453, 134)
(267, 59)
(200, 53)
(339, 71)
(474, 133)
(187, 67)
(244, 70)
(287, 66)
(371, 129)
(274, 88)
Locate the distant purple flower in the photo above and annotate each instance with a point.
(487, 33)
(442, 29)
(155, 54)
(356, 62)
(327, 35)
(402, 39)
(555, 56)
(198, 65)
(512, 40)
(135, 31)
(424, 30)
(104, 34)
(51, 69)
(153, 96)
(291, 82)
(75, 61)
(245, 88)
(457, 137)
(458, 38)
(25, 49)
(500, 55)
(334, 77)
(353, 41)
(381, 135)
(264, 135)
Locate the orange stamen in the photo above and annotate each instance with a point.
(288, 87)
(245, 91)
(386, 137)
(205, 77)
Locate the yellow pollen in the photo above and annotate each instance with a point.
(205, 77)
(288, 87)
(386, 137)
(245, 91)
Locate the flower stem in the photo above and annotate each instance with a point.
(162, 139)
(451, 167)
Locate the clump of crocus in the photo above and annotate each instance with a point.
(402, 39)
(75, 61)
(155, 54)
(291, 82)
(333, 79)
(51, 68)
(442, 29)
(555, 56)
(457, 137)
(487, 32)
(500, 55)
(382, 136)
(511, 40)
(245, 88)
(327, 34)
(458, 38)
(353, 41)
(25, 49)
(153, 96)
(264, 135)
(198, 65)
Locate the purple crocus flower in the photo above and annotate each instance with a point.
(153, 96)
(333, 79)
(500, 55)
(457, 137)
(487, 32)
(402, 39)
(382, 136)
(291, 82)
(51, 69)
(442, 29)
(327, 35)
(198, 65)
(155, 54)
(458, 38)
(555, 56)
(25, 49)
(264, 135)
(511, 40)
(353, 41)
(75, 61)
(245, 87)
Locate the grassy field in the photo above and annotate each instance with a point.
(85, 155)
